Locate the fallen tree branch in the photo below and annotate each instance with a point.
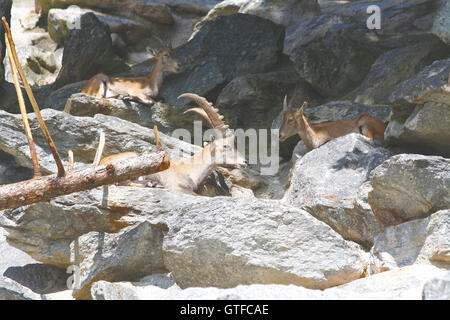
(45, 188)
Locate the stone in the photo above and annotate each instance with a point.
(45, 230)
(254, 45)
(10, 171)
(441, 24)
(420, 241)
(88, 51)
(409, 186)
(431, 84)
(132, 253)
(328, 183)
(424, 131)
(332, 56)
(225, 242)
(437, 288)
(396, 66)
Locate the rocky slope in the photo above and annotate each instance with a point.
(353, 219)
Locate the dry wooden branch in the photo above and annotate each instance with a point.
(13, 57)
(45, 188)
(23, 111)
(157, 139)
(71, 162)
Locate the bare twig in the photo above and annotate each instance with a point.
(13, 56)
(23, 111)
(71, 162)
(101, 146)
(157, 139)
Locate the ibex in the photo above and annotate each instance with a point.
(187, 175)
(295, 122)
(141, 89)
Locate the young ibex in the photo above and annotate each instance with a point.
(295, 122)
(187, 175)
(141, 89)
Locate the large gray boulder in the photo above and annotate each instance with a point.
(132, 253)
(396, 66)
(421, 111)
(332, 56)
(225, 242)
(409, 186)
(286, 13)
(81, 134)
(45, 230)
(420, 241)
(441, 26)
(407, 283)
(328, 182)
(437, 288)
(253, 45)
(87, 51)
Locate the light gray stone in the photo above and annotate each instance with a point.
(409, 186)
(437, 288)
(327, 182)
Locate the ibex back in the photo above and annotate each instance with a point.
(295, 122)
(141, 89)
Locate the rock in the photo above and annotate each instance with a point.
(142, 9)
(5, 11)
(87, 51)
(420, 241)
(437, 288)
(397, 16)
(332, 56)
(45, 230)
(409, 186)
(429, 85)
(11, 290)
(441, 24)
(401, 284)
(327, 182)
(424, 131)
(286, 13)
(225, 242)
(345, 110)
(60, 21)
(142, 290)
(57, 99)
(396, 66)
(80, 134)
(253, 100)
(10, 171)
(38, 277)
(166, 117)
(132, 253)
(254, 45)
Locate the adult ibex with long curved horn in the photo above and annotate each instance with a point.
(187, 175)
(295, 122)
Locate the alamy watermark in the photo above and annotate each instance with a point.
(374, 21)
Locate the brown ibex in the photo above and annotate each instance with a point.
(187, 175)
(141, 89)
(315, 135)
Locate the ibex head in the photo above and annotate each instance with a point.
(291, 125)
(166, 56)
(221, 151)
